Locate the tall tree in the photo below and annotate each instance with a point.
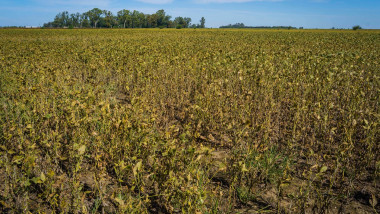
(134, 18)
(162, 18)
(75, 18)
(182, 21)
(142, 20)
(109, 19)
(61, 19)
(152, 20)
(124, 17)
(187, 22)
(94, 15)
(179, 22)
(202, 21)
(170, 24)
(84, 20)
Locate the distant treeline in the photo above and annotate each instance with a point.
(97, 18)
(241, 25)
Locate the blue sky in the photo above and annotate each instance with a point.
(305, 13)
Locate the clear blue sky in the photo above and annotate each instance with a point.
(305, 13)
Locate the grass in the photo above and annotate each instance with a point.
(207, 121)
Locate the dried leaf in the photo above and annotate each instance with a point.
(373, 200)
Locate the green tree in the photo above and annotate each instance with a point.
(160, 15)
(170, 24)
(184, 22)
(356, 27)
(141, 20)
(75, 18)
(124, 17)
(109, 19)
(179, 22)
(61, 19)
(152, 20)
(94, 15)
(162, 18)
(84, 20)
(135, 18)
(202, 21)
(187, 22)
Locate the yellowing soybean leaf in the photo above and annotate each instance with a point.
(137, 168)
(42, 176)
(120, 201)
(82, 150)
(323, 169)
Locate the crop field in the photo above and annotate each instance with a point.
(189, 121)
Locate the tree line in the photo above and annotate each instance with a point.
(97, 18)
(241, 25)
